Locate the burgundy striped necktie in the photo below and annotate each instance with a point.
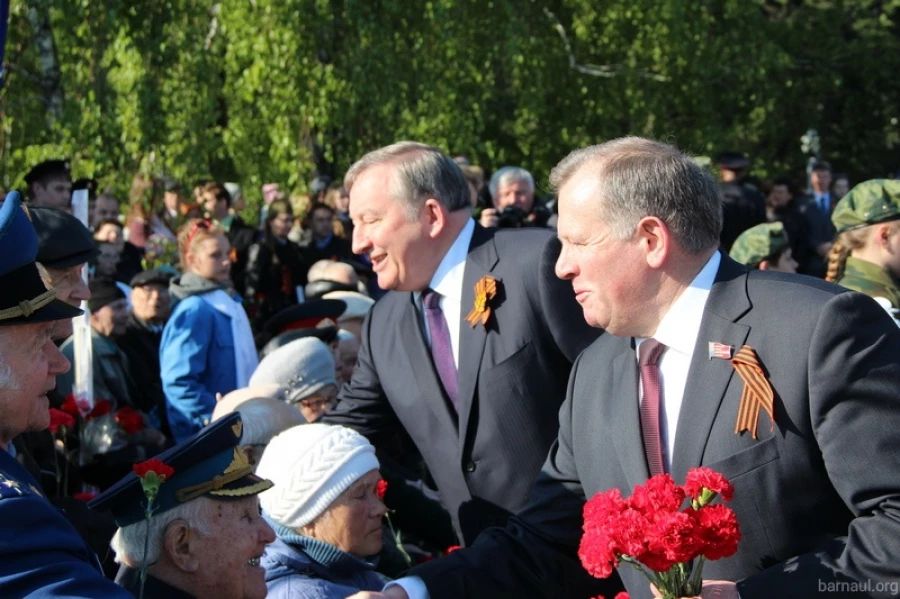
(441, 348)
(649, 354)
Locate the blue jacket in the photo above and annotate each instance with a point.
(292, 572)
(196, 357)
(41, 554)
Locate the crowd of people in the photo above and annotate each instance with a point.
(406, 384)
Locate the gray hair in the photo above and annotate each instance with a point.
(509, 174)
(639, 177)
(8, 378)
(422, 172)
(128, 542)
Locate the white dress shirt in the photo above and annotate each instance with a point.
(678, 331)
(447, 282)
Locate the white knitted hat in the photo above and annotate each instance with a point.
(311, 465)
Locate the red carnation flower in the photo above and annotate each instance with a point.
(156, 466)
(60, 419)
(622, 595)
(84, 496)
(660, 493)
(130, 420)
(70, 406)
(717, 531)
(673, 538)
(698, 479)
(452, 548)
(101, 408)
(381, 489)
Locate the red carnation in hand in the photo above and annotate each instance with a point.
(381, 489)
(698, 479)
(60, 419)
(452, 548)
(155, 466)
(717, 531)
(130, 420)
(101, 408)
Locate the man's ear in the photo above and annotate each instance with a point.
(764, 265)
(180, 546)
(436, 217)
(655, 239)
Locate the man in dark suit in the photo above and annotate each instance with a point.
(479, 394)
(816, 208)
(817, 506)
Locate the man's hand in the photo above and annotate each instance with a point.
(712, 589)
(391, 593)
(489, 218)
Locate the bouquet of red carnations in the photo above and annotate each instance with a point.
(652, 532)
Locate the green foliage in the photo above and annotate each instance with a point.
(280, 90)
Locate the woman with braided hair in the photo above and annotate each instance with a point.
(866, 253)
(207, 345)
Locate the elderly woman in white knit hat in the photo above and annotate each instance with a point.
(325, 510)
(305, 370)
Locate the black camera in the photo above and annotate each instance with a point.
(511, 217)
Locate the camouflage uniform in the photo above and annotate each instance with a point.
(759, 243)
(869, 203)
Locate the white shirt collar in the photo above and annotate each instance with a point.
(680, 326)
(448, 278)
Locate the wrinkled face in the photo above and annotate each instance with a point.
(514, 193)
(281, 225)
(353, 522)
(151, 303)
(107, 260)
(208, 258)
(786, 262)
(779, 196)
(32, 360)
(606, 272)
(820, 181)
(320, 223)
(55, 193)
(314, 406)
(239, 535)
(111, 319)
(398, 245)
(105, 208)
(70, 288)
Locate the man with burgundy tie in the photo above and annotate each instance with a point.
(785, 384)
(471, 349)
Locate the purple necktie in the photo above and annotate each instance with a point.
(649, 353)
(441, 349)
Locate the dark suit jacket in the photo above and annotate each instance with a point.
(140, 344)
(512, 377)
(817, 499)
(821, 230)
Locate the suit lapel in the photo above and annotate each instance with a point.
(622, 413)
(707, 378)
(480, 261)
(423, 367)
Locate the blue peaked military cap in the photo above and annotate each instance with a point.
(24, 295)
(211, 463)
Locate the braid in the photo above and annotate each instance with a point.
(843, 246)
(837, 259)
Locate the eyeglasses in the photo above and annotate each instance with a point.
(319, 403)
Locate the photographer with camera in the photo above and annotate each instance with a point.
(512, 191)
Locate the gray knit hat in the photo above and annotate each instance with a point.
(302, 368)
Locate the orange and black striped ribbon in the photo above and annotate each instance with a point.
(757, 391)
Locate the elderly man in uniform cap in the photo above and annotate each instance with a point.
(206, 534)
(765, 247)
(50, 184)
(41, 554)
